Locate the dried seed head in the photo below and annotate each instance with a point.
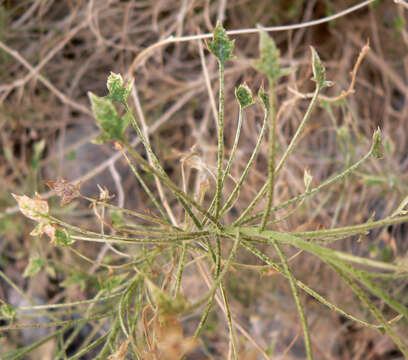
(65, 190)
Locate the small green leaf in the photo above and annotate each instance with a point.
(118, 92)
(244, 96)
(107, 118)
(35, 264)
(62, 238)
(8, 311)
(221, 46)
(377, 145)
(263, 96)
(319, 71)
(269, 62)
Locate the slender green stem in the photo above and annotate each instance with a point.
(351, 230)
(52, 323)
(146, 189)
(362, 277)
(320, 251)
(234, 146)
(183, 198)
(70, 304)
(231, 158)
(271, 160)
(217, 256)
(299, 306)
(307, 289)
(180, 269)
(204, 317)
(145, 143)
(229, 321)
(364, 298)
(112, 335)
(247, 167)
(20, 353)
(220, 152)
(209, 297)
(284, 157)
(90, 346)
(313, 191)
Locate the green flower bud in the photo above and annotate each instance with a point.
(244, 96)
(319, 71)
(269, 62)
(263, 96)
(118, 92)
(221, 46)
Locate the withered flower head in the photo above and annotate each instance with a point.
(65, 190)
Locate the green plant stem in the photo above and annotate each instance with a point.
(234, 146)
(364, 298)
(154, 237)
(232, 156)
(184, 199)
(180, 269)
(20, 353)
(112, 335)
(51, 324)
(229, 321)
(363, 278)
(70, 304)
(25, 296)
(217, 256)
(247, 167)
(220, 152)
(272, 145)
(154, 220)
(322, 252)
(313, 191)
(209, 297)
(145, 143)
(295, 293)
(307, 289)
(288, 151)
(90, 347)
(146, 189)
